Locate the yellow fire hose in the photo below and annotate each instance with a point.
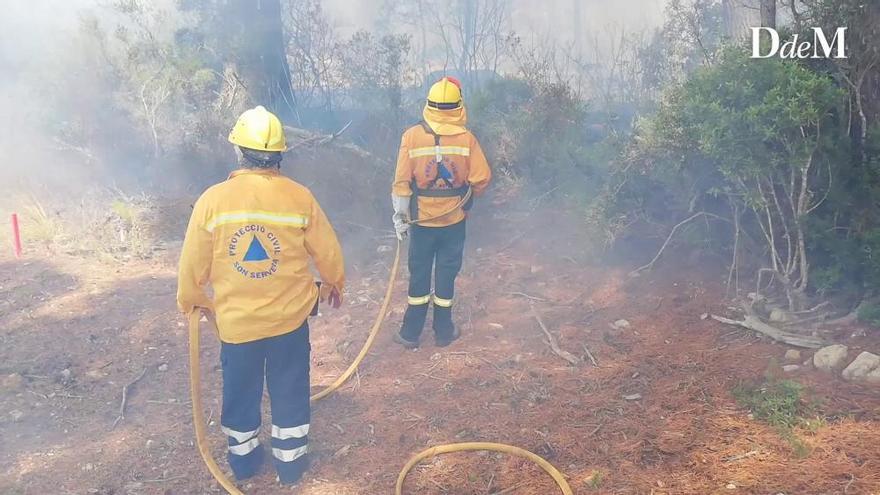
(198, 413)
(195, 379)
(495, 447)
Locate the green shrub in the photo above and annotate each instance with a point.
(778, 403)
(870, 313)
(783, 405)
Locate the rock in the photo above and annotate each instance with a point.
(621, 324)
(731, 486)
(863, 364)
(94, 374)
(65, 375)
(163, 367)
(789, 368)
(632, 397)
(792, 356)
(704, 316)
(779, 315)
(13, 382)
(830, 357)
(873, 376)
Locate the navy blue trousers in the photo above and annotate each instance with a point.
(438, 250)
(283, 362)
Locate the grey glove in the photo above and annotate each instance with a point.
(401, 215)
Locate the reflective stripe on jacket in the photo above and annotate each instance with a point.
(463, 164)
(252, 238)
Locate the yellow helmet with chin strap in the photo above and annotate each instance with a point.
(445, 94)
(258, 129)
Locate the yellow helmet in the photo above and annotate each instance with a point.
(445, 94)
(258, 129)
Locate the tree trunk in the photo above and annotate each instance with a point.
(768, 13)
(738, 16)
(261, 57)
(469, 13)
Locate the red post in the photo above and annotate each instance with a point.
(16, 236)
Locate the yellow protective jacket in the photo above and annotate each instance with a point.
(462, 158)
(252, 238)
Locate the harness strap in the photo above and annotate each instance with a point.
(448, 192)
(438, 156)
(440, 193)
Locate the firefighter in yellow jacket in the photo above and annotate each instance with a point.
(439, 161)
(252, 238)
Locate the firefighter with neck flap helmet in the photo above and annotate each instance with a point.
(439, 162)
(252, 238)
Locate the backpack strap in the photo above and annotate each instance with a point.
(449, 192)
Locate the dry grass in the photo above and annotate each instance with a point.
(107, 224)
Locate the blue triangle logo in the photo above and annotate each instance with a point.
(256, 251)
(443, 172)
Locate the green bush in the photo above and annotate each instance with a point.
(778, 403)
(544, 136)
(870, 313)
(781, 404)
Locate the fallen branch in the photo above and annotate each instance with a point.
(821, 317)
(669, 239)
(125, 398)
(509, 489)
(738, 457)
(164, 480)
(426, 375)
(812, 310)
(754, 323)
(530, 298)
(574, 361)
(590, 355)
(846, 488)
(512, 241)
(318, 140)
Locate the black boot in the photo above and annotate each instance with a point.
(445, 332)
(413, 323)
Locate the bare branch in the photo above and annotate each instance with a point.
(551, 341)
(752, 322)
(669, 238)
(124, 401)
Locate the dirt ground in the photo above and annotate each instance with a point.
(655, 416)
